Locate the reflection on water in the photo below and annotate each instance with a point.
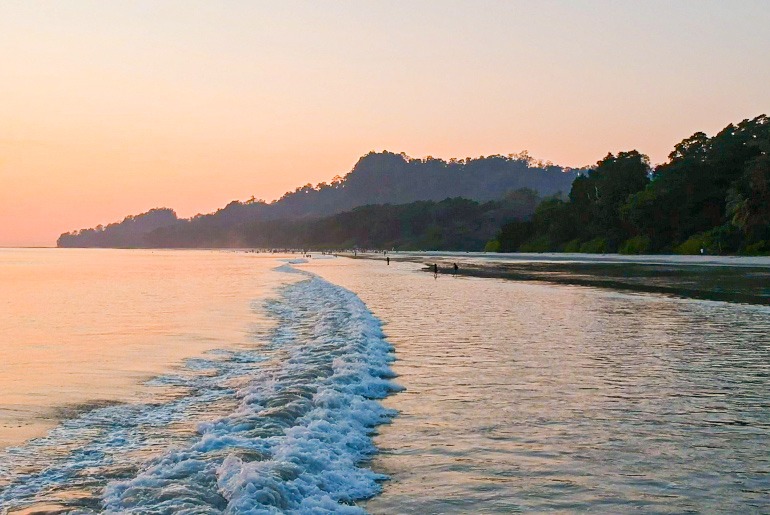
(83, 328)
(532, 396)
(726, 278)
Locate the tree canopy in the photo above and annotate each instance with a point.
(377, 178)
(713, 193)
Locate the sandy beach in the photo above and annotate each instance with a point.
(723, 278)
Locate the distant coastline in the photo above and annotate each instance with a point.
(407, 201)
(711, 197)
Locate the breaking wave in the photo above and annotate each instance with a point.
(295, 436)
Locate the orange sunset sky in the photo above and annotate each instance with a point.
(113, 108)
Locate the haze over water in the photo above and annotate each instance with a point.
(517, 396)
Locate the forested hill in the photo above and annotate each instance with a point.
(712, 196)
(377, 178)
(451, 224)
(388, 178)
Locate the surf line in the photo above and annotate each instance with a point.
(303, 428)
(306, 406)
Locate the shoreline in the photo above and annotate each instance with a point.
(718, 278)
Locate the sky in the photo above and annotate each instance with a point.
(112, 108)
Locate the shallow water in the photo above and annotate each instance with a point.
(534, 397)
(82, 328)
(722, 278)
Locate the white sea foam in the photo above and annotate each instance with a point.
(296, 442)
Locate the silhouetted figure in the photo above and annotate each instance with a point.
(387, 260)
(456, 268)
(435, 270)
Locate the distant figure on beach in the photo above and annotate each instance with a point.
(701, 251)
(435, 270)
(387, 260)
(456, 268)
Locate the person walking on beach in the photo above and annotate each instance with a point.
(387, 260)
(435, 270)
(456, 268)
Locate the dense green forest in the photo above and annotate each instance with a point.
(377, 178)
(451, 224)
(713, 193)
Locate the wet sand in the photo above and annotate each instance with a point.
(721, 278)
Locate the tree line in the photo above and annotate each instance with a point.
(377, 178)
(711, 196)
(450, 224)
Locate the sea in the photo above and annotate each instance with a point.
(230, 381)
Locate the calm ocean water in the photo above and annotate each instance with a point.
(225, 382)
